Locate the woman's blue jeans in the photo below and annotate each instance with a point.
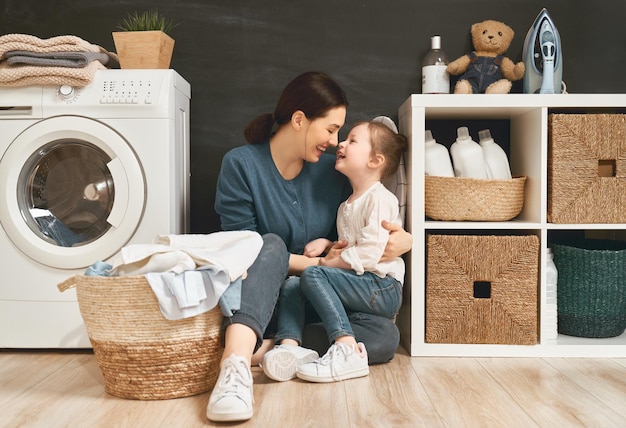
(362, 306)
(259, 291)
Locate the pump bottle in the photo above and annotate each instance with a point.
(435, 78)
(467, 156)
(436, 157)
(496, 162)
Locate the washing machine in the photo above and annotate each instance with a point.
(84, 171)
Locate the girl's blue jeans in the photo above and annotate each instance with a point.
(337, 295)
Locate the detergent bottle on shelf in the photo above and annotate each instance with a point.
(435, 77)
(436, 157)
(496, 162)
(550, 317)
(467, 156)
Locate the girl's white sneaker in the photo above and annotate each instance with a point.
(280, 363)
(341, 362)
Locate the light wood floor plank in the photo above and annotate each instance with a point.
(111, 411)
(14, 382)
(465, 395)
(620, 361)
(604, 380)
(69, 386)
(65, 389)
(298, 403)
(548, 395)
(392, 396)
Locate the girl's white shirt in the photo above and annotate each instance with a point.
(359, 224)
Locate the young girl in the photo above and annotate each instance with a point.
(355, 282)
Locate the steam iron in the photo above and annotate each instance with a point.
(542, 57)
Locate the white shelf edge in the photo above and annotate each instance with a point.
(517, 102)
(595, 226)
(563, 346)
(480, 225)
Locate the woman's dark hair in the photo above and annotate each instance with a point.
(315, 93)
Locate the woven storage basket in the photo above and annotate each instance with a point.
(591, 297)
(473, 199)
(583, 150)
(141, 354)
(458, 269)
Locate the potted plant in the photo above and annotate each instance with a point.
(143, 41)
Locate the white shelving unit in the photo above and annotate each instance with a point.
(528, 123)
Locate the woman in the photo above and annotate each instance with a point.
(285, 187)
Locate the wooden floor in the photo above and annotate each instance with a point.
(65, 389)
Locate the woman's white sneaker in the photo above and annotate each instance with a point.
(281, 363)
(341, 362)
(231, 399)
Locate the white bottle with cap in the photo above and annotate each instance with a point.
(435, 78)
(550, 317)
(467, 156)
(496, 162)
(436, 157)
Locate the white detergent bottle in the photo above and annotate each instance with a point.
(436, 157)
(467, 156)
(496, 162)
(550, 317)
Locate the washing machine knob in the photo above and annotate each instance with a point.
(66, 92)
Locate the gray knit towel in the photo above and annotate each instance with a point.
(55, 59)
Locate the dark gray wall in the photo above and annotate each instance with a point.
(239, 54)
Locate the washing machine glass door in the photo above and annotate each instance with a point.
(75, 192)
(67, 193)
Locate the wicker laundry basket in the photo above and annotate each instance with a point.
(591, 298)
(482, 289)
(141, 354)
(473, 199)
(587, 168)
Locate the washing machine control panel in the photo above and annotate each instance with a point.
(113, 93)
(127, 92)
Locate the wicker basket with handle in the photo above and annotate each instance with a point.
(141, 354)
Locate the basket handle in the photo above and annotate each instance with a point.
(67, 284)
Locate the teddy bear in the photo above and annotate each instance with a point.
(486, 69)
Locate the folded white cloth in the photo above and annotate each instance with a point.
(232, 251)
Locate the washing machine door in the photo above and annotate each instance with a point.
(74, 192)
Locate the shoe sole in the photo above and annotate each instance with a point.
(327, 379)
(230, 417)
(282, 364)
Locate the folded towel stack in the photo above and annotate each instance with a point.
(62, 60)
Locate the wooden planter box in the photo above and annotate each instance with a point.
(143, 49)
